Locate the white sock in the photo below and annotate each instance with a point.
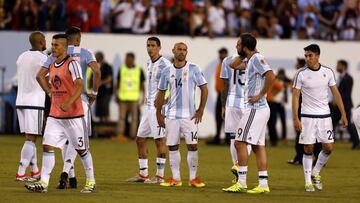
(242, 172)
(307, 165)
(87, 163)
(47, 166)
(263, 179)
(233, 151)
(193, 162)
(27, 152)
(321, 161)
(33, 162)
(174, 160)
(249, 148)
(160, 167)
(143, 165)
(69, 161)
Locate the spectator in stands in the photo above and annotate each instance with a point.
(243, 23)
(94, 14)
(262, 28)
(348, 24)
(5, 15)
(307, 9)
(275, 29)
(77, 14)
(145, 18)
(23, 15)
(57, 15)
(105, 90)
(311, 30)
(216, 19)
(123, 14)
(286, 12)
(328, 16)
(198, 23)
(177, 19)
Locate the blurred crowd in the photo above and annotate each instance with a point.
(285, 19)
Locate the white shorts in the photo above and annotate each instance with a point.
(87, 116)
(232, 119)
(356, 119)
(58, 131)
(252, 126)
(316, 129)
(31, 121)
(175, 128)
(149, 126)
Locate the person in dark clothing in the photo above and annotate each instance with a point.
(345, 84)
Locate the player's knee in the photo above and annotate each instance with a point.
(48, 148)
(30, 138)
(82, 153)
(174, 148)
(192, 147)
(162, 155)
(140, 141)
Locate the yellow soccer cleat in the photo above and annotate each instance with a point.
(316, 180)
(237, 187)
(259, 190)
(234, 171)
(171, 183)
(89, 187)
(39, 186)
(309, 187)
(196, 182)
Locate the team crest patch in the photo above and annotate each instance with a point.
(185, 75)
(324, 75)
(262, 61)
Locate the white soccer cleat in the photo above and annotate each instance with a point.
(316, 180)
(154, 180)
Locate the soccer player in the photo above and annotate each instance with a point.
(232, 101)
(149, 127)
(255, 115)
(181, 117)
(30, 104)
(86, 59)
(66, 118)
(313, 82)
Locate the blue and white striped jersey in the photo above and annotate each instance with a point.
(254, 80)
(81, 55)
(182, 83)
(236, 79)
(154, 70)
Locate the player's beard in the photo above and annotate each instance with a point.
(241, 53)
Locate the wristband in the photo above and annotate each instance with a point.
(93, 92)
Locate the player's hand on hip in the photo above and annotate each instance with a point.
(91, 98)
(160, 119)
(198, 116)
(64, 106)
(297, 124)
(254, 99)
(344, 121)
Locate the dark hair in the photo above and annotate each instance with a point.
(157, 40)
(248, 41)
(73, 30)
(60, 36)
(301, 62)
(313, 48)
(344, 63)
(130, 54)
(223, 50)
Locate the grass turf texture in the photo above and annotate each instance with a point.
(114, 162)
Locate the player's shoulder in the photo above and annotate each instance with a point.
(193, 66)
(164, 62)
(301, 70)
(326, 68)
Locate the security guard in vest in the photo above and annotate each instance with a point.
(130, 89)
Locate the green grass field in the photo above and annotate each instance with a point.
(115, 162)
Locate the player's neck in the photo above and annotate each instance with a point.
(155, 57)
(179, 64)
(250, 54)
(315, 67)
(61, 58)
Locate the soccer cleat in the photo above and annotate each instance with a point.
(36, 175)
(234, 170)
(89, 187)
(316, 180)
(73, 183)
(154, 180)
(259, 190)
(237, 187)
(309, 187)
(25, 178)
(39, 186)
(196, 182)
(171, 183)
(63, 182)
(138, 179)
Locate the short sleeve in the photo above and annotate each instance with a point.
(48, 61)
(261, 66)
(224, 70)
(164, 79)
(199, 77)
(89, 56)
(332, 80)
(298, 80)
(75, 70)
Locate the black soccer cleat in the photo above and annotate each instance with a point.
(73, 183)
(63, 181)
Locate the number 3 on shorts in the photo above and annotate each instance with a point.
(80, 142)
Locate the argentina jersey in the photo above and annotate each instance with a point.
(254, 81)
(236, 81)
(154, 72)
(81, 55)
(182, 83)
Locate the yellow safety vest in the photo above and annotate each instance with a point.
(129, 89)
